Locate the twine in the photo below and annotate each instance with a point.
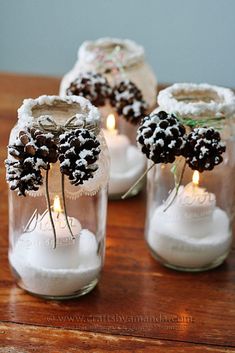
(115, 60)
(47, 123)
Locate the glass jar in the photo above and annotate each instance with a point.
(119, 61)
(191, 230)
(57, 232)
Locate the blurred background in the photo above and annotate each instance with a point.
(185, 40)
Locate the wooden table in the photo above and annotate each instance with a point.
(138, 306)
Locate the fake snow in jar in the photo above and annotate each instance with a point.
(114, 75)
(57, 170)
(190, 145)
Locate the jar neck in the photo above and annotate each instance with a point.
(197, 100)
(55, 114)
(106, 53)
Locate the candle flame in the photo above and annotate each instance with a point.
(110, 122)
(196, 178)
(56, 205)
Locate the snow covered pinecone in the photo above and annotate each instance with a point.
(161, 137)
(203, 150)
(92, 86)
(31, 151)
(23, 175)
(128, 101)
(79, 150)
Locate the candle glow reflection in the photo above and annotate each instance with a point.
(111, 123)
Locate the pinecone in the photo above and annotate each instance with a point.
(203, 149)
(161, 137)
(31, 151)
(23, 175)
(128, 101)
(79, 150)
(92, 86)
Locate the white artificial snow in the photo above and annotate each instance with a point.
(10, 150)
(171, 145)
(204, 150)
(71, 150)
(133, 52)
(225, 104)
(25, 114)
(40, 163)
(134, 164)
(84, 153)
(29, 160)
(65, 163)
(59, 281)
(28, 177)
(175, 241)
(44, 148)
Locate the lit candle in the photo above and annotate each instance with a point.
(65, 255)
(127, 162)
(192, 232)
(193, 202)
(117, 144)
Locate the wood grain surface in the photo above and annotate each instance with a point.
(138, 306)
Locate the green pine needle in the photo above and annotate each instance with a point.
(204, 122)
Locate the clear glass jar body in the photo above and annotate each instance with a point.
(71, 269)
(194, 232)
(71, 265)
(127, 163)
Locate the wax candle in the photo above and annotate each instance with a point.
(192, 232)
(127, 162)
(193, 204)
(118, 145)
(42, 252)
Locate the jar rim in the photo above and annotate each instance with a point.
(31, 108)
(132, 52)
(197, 99)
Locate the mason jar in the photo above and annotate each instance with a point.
(190, 229)
(132, 95)
(57, 170)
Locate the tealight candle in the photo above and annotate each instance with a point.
(193, 204)
(195, 201)
(127, 162)
(42, 252)
(192, 232)
(118, 145)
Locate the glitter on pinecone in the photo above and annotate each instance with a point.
(31, 151)
(79, 151)
(128, 101)
(203, 149)
(92, 86)
(161, 137)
